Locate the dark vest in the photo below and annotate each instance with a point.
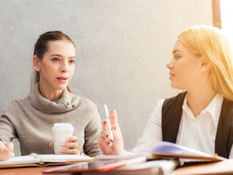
(171, 116)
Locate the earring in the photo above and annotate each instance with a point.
(202, 69)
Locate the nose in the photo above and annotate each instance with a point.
(64, 66)
(170, 65)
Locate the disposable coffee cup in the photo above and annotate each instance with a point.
(60, 133)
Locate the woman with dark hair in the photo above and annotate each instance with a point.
(51, 101)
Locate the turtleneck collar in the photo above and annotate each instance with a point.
(66, 102)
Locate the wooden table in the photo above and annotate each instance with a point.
(222, 167)
(24, 171)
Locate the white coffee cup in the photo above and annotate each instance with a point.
(60, 133)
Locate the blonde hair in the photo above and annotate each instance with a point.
(210, 43)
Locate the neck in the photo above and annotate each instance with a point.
(51, 95)
(200, 99)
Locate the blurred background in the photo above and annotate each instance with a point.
(122, 50)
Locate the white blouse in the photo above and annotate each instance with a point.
(195, 132)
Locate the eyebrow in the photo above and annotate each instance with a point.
(58, 55)
(174, 51)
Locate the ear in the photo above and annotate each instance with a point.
(205, 64)
(36, 61)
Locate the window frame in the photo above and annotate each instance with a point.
(216, 13)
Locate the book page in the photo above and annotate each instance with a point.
(32, 158)
(167, 147)
(168, 150)
(43, 158)
(114, 157)
(63, 157)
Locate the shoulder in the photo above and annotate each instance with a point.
(87, 107)
(17, 103)
(81, 103)
(174, 102)
(170, 99)
(86, 103)
(16, 106)
(179, 96)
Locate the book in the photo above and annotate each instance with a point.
(222, 167)
(95, 166)
(114, 157)
(150, 167)
(168, 150)
(42, 160)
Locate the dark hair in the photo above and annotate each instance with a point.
(41, 47)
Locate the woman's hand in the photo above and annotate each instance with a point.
(107, 146)
(6, 153)
(70, 146)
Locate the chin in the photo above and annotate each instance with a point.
(173, 86)
(63, 87)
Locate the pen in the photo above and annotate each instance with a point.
(109, 123)
(4, 146)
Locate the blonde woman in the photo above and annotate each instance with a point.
(201, 117)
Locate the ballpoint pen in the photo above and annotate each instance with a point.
(4, 146)
(109, 123)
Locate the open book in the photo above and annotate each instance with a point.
(42, 160)
(168, 150)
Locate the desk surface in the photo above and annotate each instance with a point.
(24, 171)
(222, 167)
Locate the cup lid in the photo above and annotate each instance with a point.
(63, 125)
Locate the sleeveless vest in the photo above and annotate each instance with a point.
(171, 116)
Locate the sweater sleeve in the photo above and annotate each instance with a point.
(92, 130)
(7, 130)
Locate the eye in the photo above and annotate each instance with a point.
(72, 61)
(55, 59)
(176, 56)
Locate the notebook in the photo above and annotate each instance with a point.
(168, 150)
(42, 160)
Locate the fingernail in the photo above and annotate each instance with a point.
(62, 144)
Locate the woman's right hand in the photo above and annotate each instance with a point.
(107, 146)
(6, 153)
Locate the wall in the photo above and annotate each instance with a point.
(122, 49)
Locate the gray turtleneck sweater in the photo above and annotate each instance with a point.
(31, 121)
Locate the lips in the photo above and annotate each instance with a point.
(171, 75)
(62, 78)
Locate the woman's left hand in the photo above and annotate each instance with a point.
(70, 146)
